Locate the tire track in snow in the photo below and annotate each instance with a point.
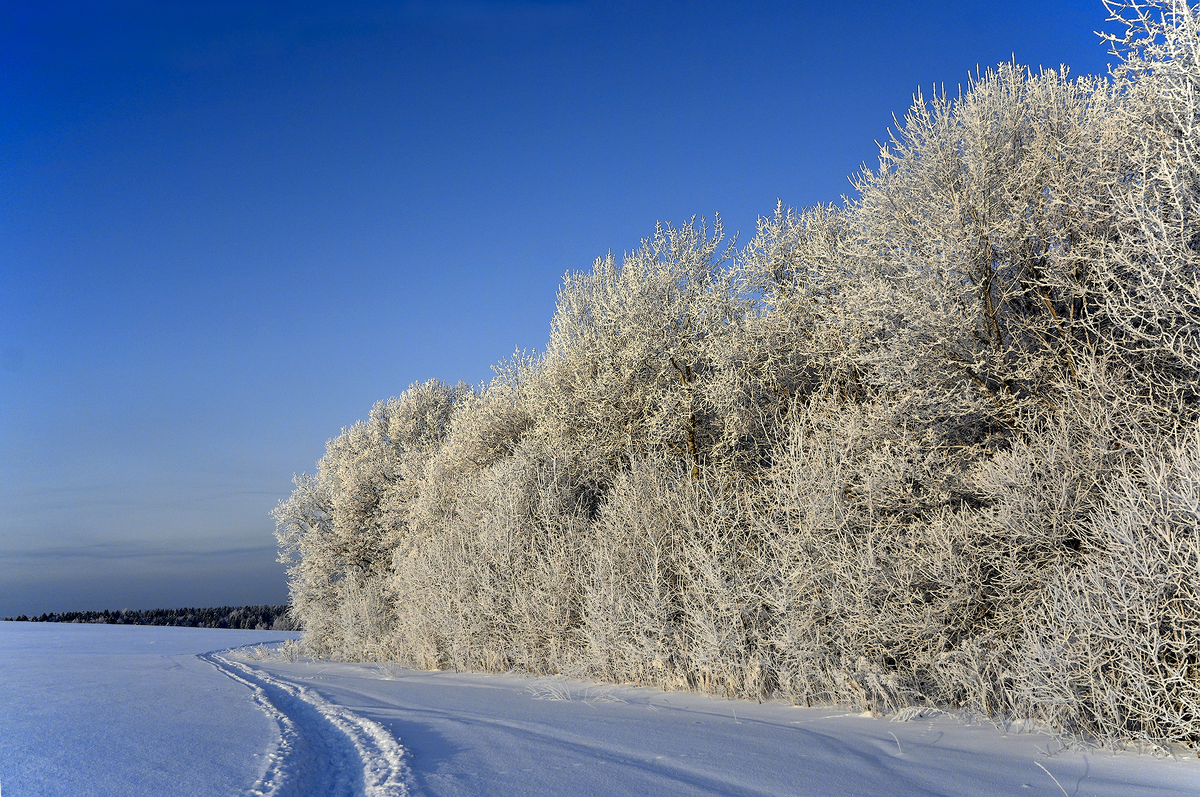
(324, 749)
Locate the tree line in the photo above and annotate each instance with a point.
(260, 617)
(935, 444)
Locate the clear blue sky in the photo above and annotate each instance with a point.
(227, 228)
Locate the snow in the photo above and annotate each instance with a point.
(127, 710)
(323, 748)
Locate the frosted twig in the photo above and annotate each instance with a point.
(1056, 783)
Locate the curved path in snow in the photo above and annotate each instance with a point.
(323, 749)
(472, 735)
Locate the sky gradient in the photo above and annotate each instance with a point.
(227, 229)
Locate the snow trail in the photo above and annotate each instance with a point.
(323, 748)
(477, 735)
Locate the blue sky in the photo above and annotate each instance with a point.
(227, 228)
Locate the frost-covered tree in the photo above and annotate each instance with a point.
(982, 227)
(631, 350)
(804, 337)
(1153, 296)
(338, 529)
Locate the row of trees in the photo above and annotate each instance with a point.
(936, 445)
(260, 617)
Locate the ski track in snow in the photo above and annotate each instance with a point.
(323, 748)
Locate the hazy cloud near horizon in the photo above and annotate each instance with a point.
(106, 576)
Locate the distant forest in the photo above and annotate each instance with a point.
(260, 618)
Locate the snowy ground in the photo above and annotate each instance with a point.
(119, 710)
(125, 710)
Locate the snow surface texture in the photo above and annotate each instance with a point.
(119, 710)
(324, 749)
(125, 710)
(472, 734)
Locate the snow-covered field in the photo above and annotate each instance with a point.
(128, 710)
(125, 710)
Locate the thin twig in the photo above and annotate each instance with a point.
(1056, 783)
